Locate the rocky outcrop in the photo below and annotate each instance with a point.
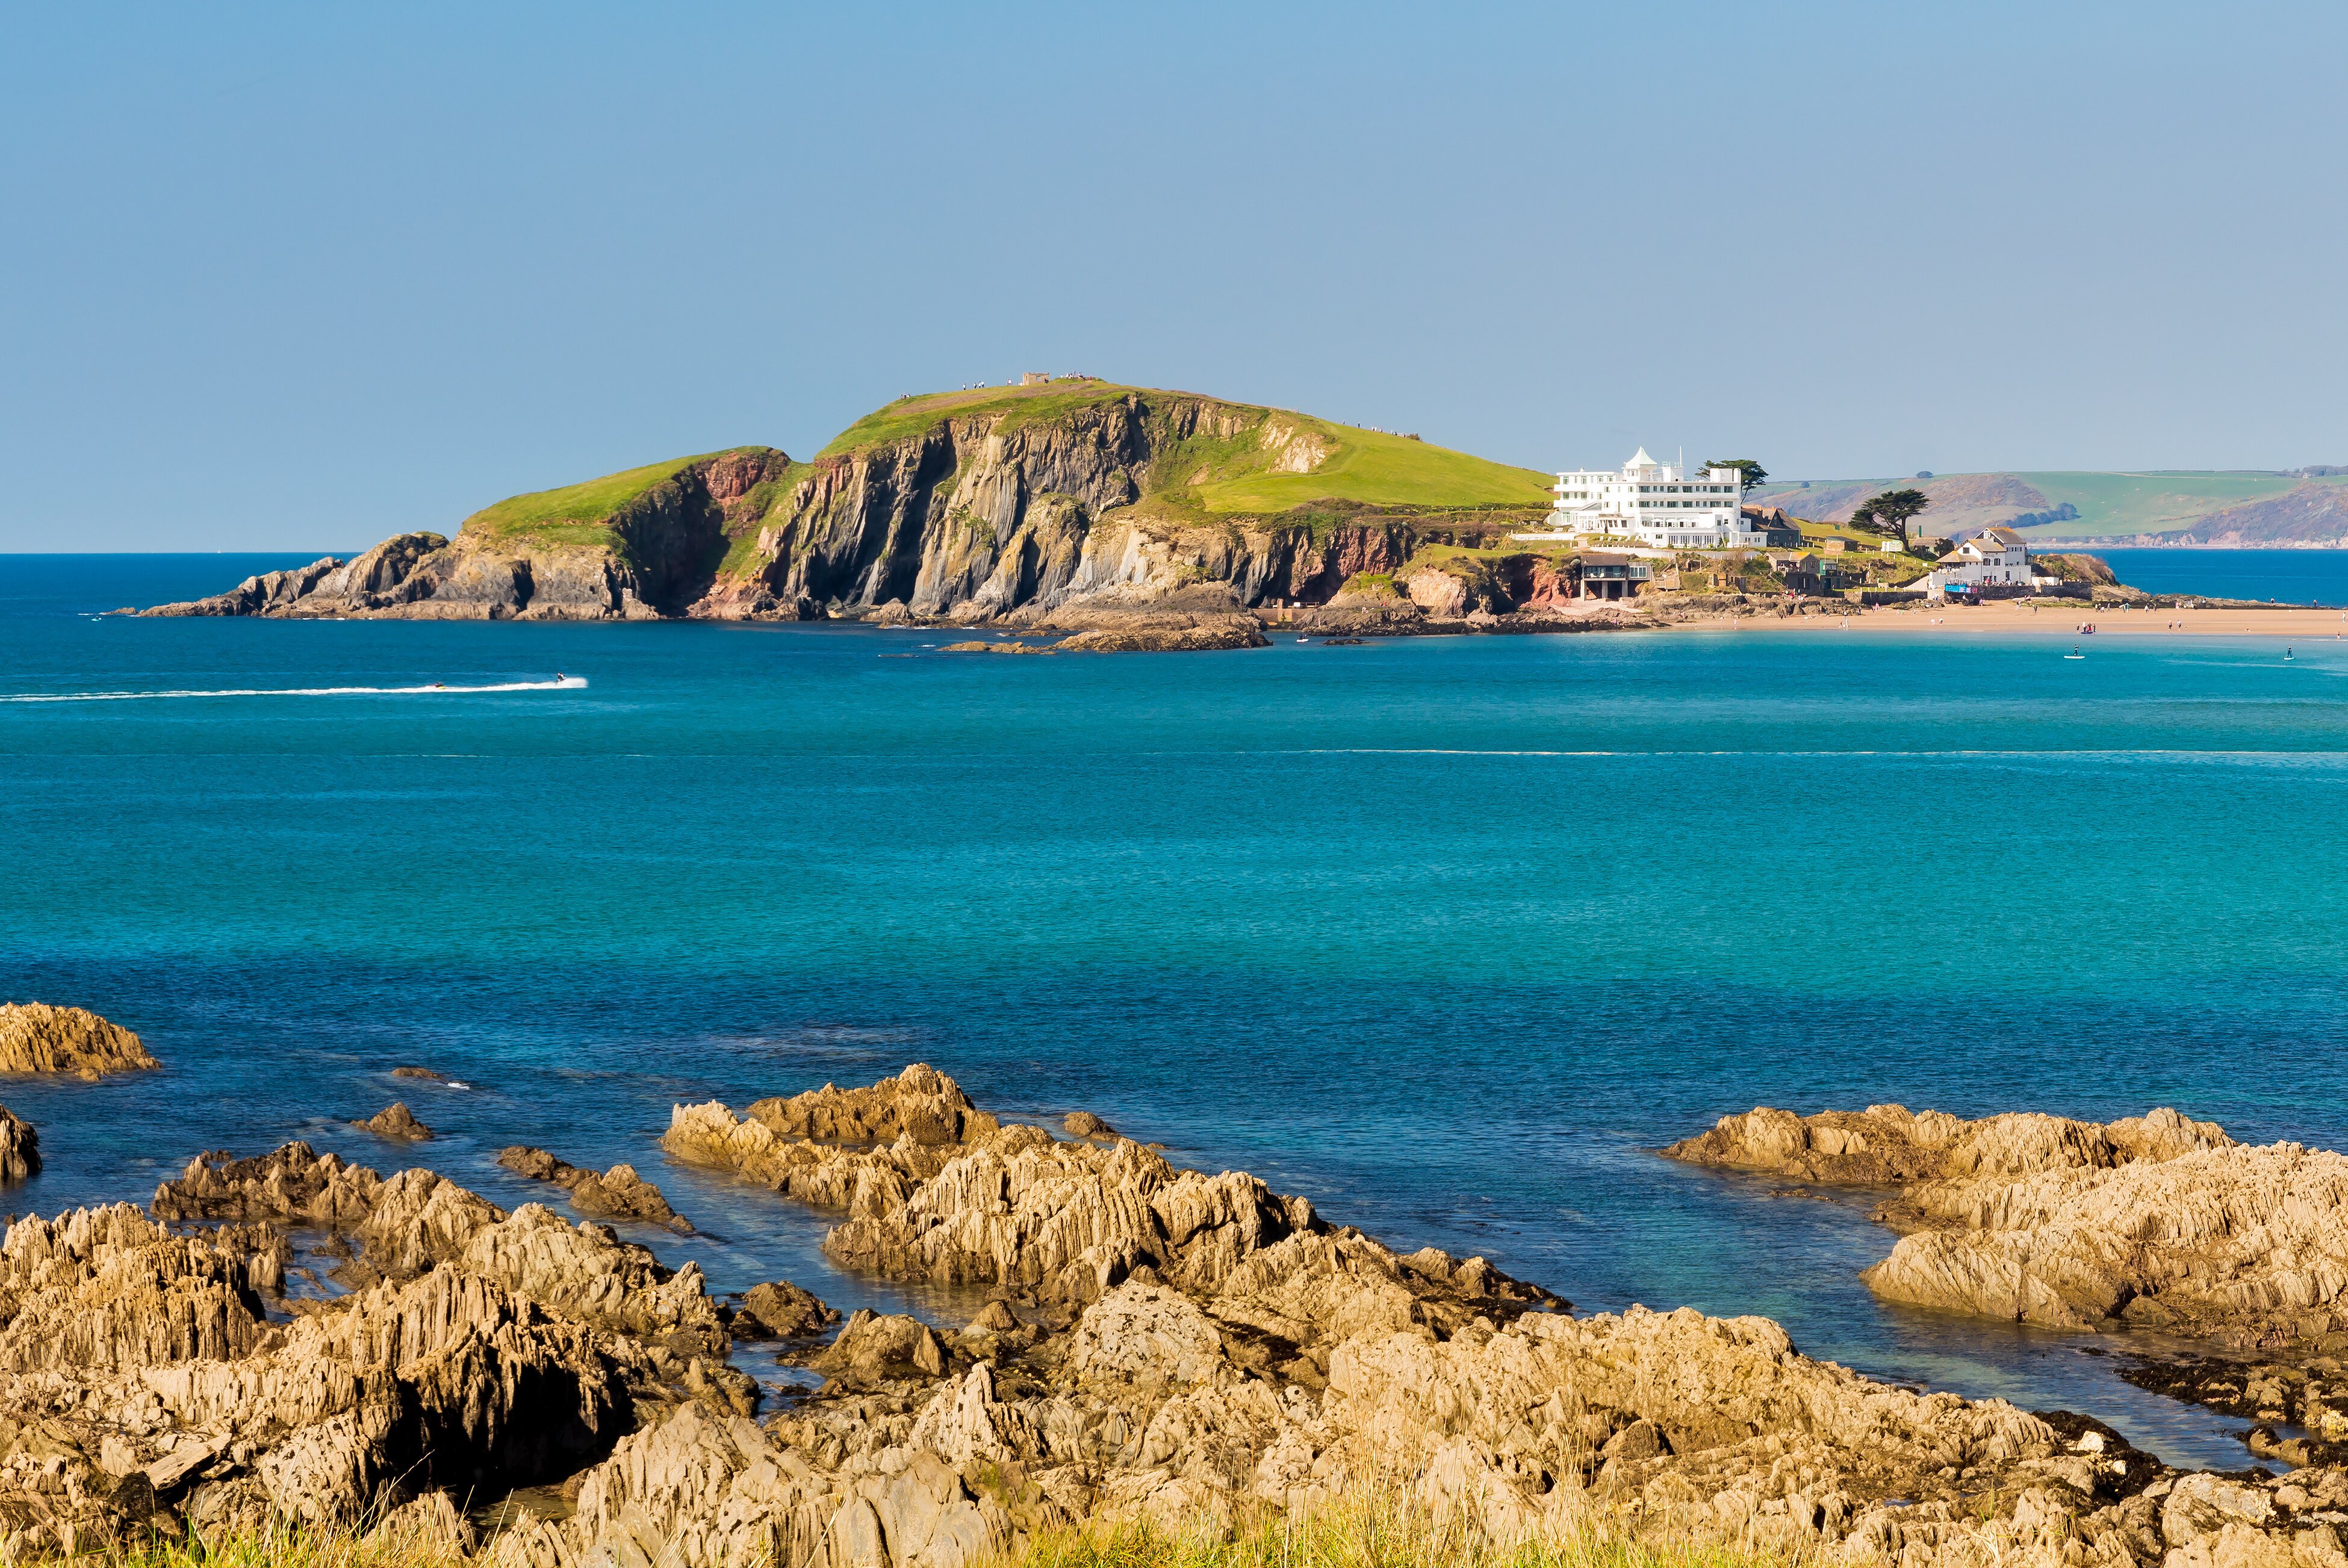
(37, 1038)
(142, 1369)
(2237, 1244)
(1889, 1144)
(920, 1105)
(20, 1148)
(1188, 1349)
(147, 1387)
(650, 555)
(1144, 633)
(396, 1123)
(617, 1193)
(2154, 1220)
(781, 1310)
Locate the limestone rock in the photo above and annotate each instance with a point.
(20, 1147)
(588, 1274)
(1084, 1125)
(2228, 1242)
(1891, 1144)
(920, 1103)
(1192, 1348)
(139, 1361)
(617, 1193)
(406, 1223)
(871, 1347)
(295, 1183)
(37, 1038)
(2156, 1219)
(784, 1311)
(397, 1124)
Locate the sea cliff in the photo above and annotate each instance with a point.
(1049, 509)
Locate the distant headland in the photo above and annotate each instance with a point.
(1112, 517)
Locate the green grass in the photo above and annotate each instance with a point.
(283, 1546)
(909, 416)
(1377, 469)
(1200, 479)
(1350, 1532)
(1229, 475)
(2154, 502)
(1354, 1534)
(576, 514)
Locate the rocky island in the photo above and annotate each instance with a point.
(1141, 1341)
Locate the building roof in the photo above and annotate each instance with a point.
(1641, 461)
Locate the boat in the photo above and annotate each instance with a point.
(1304, 639)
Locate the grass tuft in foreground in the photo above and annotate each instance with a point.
(1351, 1533)
(1354, 1533)
(286, 1546)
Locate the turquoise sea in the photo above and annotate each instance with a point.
(1447, 934)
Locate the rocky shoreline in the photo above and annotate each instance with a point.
(2156, 1222)
(294, 1337)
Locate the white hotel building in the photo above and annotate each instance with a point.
(1655, 504)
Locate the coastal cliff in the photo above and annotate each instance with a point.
(1057, 508)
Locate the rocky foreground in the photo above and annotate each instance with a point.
(2156, 1221)
(1141, 1340)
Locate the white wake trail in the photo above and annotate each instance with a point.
(560, 683)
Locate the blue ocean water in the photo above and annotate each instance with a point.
(1449, 934)
(2289, 577)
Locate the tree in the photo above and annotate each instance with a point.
(1890, 512)
(1751, 474)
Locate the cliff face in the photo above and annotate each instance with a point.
(1057, 516)
(976, 517)
(648, 555)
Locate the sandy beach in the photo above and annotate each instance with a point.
(2051, 616)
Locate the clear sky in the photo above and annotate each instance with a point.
(303, 276)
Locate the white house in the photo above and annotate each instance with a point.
(1990, 558)
(1655, 504)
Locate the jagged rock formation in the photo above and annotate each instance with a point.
(782, 1310)
(1891, 1145)
(477, 1350)
(1190, 1347)
(20, 1147)
(1165, 1344)
(37, 1038)
(2154, 1220)
(617, 1193)
(921, 1104)
(397, 1124)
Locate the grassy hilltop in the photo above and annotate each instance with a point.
(1232, 476)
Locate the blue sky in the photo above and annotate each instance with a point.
(299, 277)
